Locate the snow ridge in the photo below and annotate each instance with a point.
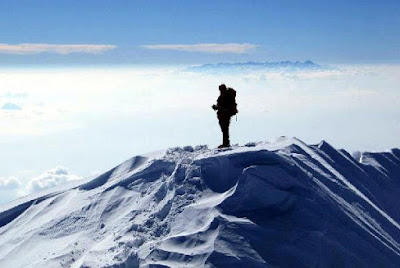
(268, 204)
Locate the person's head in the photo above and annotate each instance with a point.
(222, 87)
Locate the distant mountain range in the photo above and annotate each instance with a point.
(252, 65)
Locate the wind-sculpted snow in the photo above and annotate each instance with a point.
(268, 204)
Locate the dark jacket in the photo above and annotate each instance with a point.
(226, 103)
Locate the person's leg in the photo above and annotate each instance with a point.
(225, 133)
(224, 124)
(221, 124)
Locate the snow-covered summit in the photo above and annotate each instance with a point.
(266, 204)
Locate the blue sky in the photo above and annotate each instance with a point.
(323, 31)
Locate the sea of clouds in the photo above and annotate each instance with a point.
(93, 118)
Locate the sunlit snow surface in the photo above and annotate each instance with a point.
(267, 204)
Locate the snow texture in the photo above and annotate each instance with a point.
(266, 204)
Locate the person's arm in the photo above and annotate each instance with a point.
(217, 106)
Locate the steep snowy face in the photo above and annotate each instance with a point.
(278, 204)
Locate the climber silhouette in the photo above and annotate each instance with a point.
(226, 107)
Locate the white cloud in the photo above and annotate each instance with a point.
(11, 106)
(206, 47)
(48, 179)
(9, 183)
(27, 48)
(15, 95)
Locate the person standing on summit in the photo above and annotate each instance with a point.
(226, 107)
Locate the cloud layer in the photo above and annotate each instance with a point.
(9, 183)
(49, 179)
(27, 48)
(11, 106)
(14, 187)
(206, 47)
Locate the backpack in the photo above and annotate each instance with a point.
(231, 101)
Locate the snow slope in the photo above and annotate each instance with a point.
(267, 204)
